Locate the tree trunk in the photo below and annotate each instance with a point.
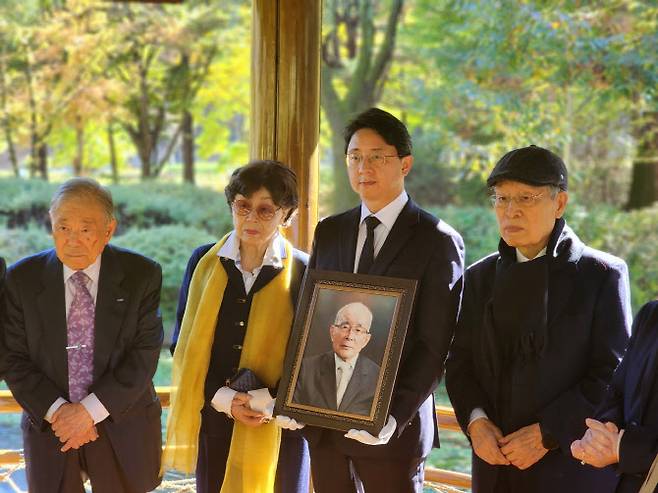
(644, 180)
(114, 166)
(43, 160)
(343, 196)
(78, 160)
(188, 147)
(11, 150)
(6, 120)
(365, 86)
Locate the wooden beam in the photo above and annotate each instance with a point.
(285, 97)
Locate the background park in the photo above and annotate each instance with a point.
(154, 101)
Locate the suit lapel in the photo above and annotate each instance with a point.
(397, 238)
(641, 375)
(563, 281)
(348, 233)
(52, 308)
(111, 303)
(352, 390)
(327, 381)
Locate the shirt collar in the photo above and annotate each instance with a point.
(274, 254)
(522, 258)
(387, 215)
(341, 363)
(93, 271)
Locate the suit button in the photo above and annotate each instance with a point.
(234, 369)
(237, 347)
(241, 300)
(240, 323)
(633, 423)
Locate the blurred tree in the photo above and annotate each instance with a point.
(506, 74)
(357, 51)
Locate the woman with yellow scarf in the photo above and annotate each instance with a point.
(235, 313)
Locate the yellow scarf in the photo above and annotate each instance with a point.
(251, 465)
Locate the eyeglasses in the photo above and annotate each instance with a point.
(264, 212)
(376, 160)
(357, 329)
(523, 201)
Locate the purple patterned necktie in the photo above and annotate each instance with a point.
(80, 338)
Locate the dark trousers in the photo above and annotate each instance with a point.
(292, 471)
(335, 472)
(98, 461)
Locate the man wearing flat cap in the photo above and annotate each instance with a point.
(544, 322)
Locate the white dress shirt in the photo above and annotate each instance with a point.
(387, 216)
(92, 404)
(344, 371)
(274, 256)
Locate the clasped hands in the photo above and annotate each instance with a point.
(598, 447)
(522, 449)
(74, 426)
(253, 408)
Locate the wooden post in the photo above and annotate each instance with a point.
(285, 97)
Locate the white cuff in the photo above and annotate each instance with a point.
(222, 400)
(621, 434)
(53, 409)
(95, 408)
(477, 413)
(262, 401)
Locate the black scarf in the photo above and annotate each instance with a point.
(516, 316)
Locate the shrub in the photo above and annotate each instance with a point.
(24, 203)
(18, 243)
(171, 246)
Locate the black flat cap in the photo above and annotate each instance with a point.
(532, 165)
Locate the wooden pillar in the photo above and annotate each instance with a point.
(285, 97)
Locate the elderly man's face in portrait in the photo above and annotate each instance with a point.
(350, 334)
(81, 229)
(526, 214)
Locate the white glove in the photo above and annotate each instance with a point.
(288, 423)
(382, 439)
(261, 401)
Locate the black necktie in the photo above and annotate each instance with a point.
(368, 253)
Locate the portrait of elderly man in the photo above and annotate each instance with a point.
(543, 324)
(83, 335)
(341, 379)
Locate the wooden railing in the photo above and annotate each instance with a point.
(446, 417)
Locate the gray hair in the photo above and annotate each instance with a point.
(358, 309)
(86, 188)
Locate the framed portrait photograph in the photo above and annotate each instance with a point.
(345, 350)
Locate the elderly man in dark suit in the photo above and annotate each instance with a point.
(341, 379)
(83, 334)
(543, 324)
(625, 431)
(389, 235)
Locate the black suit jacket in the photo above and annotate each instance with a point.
(316, 385)
(128, 337)
(631, 401)
(588, 318)
(420, 247)
(3, 349)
